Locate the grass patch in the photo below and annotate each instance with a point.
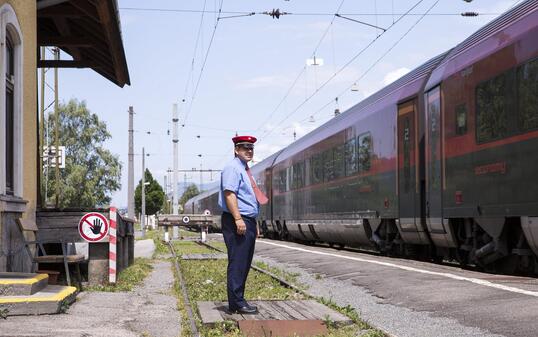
(127, 278)
(188, 233)
(206, 281)
(190, 247)
(286, 276)
(157, 236)
(218, 244)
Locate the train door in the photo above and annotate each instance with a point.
(433, 156)
(268, 208)
(408, 175)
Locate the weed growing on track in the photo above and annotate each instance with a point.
(189, 247)
(160, 247)
(288, 277)
(206, 281)
(127, 278)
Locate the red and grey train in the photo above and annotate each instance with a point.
(442, 163)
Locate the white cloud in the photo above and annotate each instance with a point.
(394, 75)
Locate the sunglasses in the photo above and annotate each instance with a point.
(246, 146)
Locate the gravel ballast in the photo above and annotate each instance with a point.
(394, 320)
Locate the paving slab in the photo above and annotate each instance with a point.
(150, 309)
(144, 248)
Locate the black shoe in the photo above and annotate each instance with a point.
(247, 309)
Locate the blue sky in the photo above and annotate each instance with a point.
(251, 66)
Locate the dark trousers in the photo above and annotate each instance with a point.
(240, 253)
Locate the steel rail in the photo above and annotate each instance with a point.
(188, 306)
(266, 272)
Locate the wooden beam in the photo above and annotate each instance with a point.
(87, 8)
(111, 27)
(60, 11)
(65, 41)
(42, 4)
(65, 64)
(64, 29)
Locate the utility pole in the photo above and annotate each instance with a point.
(130, 170)
(201, 175)
(166, 193)
(42, 201)
(57, 129)
(143, 210)
(175, 141)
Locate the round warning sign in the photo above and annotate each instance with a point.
(93, 227)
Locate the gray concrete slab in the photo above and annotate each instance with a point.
(150, 309)
(144, 248)
(412, 298)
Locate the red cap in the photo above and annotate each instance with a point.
(244, 139)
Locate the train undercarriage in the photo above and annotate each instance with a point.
(502, 248)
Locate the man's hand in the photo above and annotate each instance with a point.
(241, 227)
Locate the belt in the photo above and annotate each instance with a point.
(243, 216)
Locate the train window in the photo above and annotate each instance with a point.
(351, 157)
(365, 151)
(301, 174)
(494, 98)
(461, 119)
(289, 178)
(527, 86)
(328, 165)
(316, 169)
(298, 175)
(338, 163)
(281, 183)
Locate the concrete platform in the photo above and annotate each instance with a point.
(19, 284)
(51, 300)
(306, 310)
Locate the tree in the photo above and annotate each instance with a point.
(154, 195)
(190, 192)
(91, 172)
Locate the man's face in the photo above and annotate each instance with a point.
(245, 152)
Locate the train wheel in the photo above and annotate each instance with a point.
(507, 265)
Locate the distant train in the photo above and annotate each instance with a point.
(442, 163)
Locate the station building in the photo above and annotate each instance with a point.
(87, 30)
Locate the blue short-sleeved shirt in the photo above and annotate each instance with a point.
(234, 178)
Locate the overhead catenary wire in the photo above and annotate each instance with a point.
(193, 97)
(303, 70)
(251, 13)
(340, 70)
(375, 62)
(191, 69)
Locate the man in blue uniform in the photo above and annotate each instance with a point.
(239, 199)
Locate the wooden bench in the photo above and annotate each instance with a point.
(40, 255)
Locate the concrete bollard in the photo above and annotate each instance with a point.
(203, 233)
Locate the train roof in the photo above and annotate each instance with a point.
(267, 162)
(480, 43)
(214, 187)
(414, 79)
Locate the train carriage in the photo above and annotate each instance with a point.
(441, 163)
(481, 140)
